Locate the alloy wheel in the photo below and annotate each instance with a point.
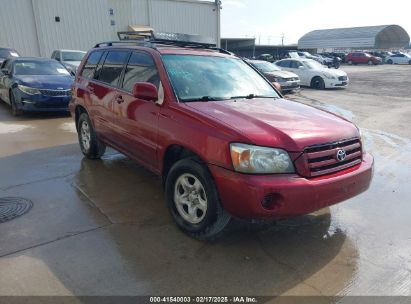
(85, 135)
(190, 198)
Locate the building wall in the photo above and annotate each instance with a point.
(29, 26)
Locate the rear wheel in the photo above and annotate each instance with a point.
(15, 111)
(193, 200)
(318, 83)
(90, 144)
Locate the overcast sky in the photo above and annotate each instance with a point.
(294, 18)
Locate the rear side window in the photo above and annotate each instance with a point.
(90, 66)
(140, 68)
(113, 66)
(284, 64)
(295, 64)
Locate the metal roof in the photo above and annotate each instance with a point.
(380, 37)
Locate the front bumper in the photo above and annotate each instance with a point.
(336, 83)
(289, 85)
(41, 103)
(288, 195)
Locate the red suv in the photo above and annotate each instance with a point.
(219, 134)
(362, 58)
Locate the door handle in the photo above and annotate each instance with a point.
(119, 99)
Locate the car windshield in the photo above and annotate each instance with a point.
(73, 56)
(313, 65)
(39, 68)
(266, 67)
(8, 53)
(209, 78)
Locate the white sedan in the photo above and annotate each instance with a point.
(399, 58)
(313, 74)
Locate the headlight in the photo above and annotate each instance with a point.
(329, 75)
(262, 160)
(28, 90)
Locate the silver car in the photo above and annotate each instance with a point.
(71, 59)
(288, 80)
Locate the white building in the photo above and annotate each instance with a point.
(37, 27)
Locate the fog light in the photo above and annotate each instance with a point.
(272, 201)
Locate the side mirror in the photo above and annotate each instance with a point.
(277, 86)
(301, 67)
(145, 91)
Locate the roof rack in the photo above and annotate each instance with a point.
(150, 39)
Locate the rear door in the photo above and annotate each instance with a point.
(104, 88)
(137, 120)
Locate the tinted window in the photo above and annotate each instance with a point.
(295, 64)
(113, 66)
(284, 64)
(90, 66)
(140, 68)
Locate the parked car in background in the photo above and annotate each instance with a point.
(6, 53)
(287, 80)
(382, 54)
(362, 58)
(35, 85)
(314, 74)
(400, 58)
(221, 137)
(266, 57)
(71, 59)
(341, 55)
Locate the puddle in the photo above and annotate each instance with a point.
(12, 128)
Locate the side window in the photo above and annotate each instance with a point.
(90, 66)
(113, 66)
(295, 64)
(140, 68)
(58, 56)
(100, 65)
(284, 64)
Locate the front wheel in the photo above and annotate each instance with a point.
(193, 200)
(90, 144)
(389, 61)
(318, 83)
(15, 111)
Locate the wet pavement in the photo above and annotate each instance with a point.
(102, 227)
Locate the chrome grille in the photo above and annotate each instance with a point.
(322, 159)
(55, 93)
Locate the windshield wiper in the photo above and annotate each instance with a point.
(252, 96)
(203, 99)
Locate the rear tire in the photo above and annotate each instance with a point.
(193, 200)
(14, 110)
(90, 144)
(318, 83)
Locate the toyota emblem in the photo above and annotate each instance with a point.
(341, 155)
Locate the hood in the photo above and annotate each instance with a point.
(282, 74)
(335, 72)
(51, 82)
(72, 64)
(278, 122)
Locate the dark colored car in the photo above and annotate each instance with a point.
(362, 58)
(221, 137)
(6, 53)
(287, 80)
(35, 85)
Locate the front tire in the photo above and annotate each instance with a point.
(15, 111)
(193, 200)
(90, 144)
(389, 61)
(318, 83)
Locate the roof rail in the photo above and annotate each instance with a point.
(150, 39)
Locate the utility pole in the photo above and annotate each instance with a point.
(282, 39)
